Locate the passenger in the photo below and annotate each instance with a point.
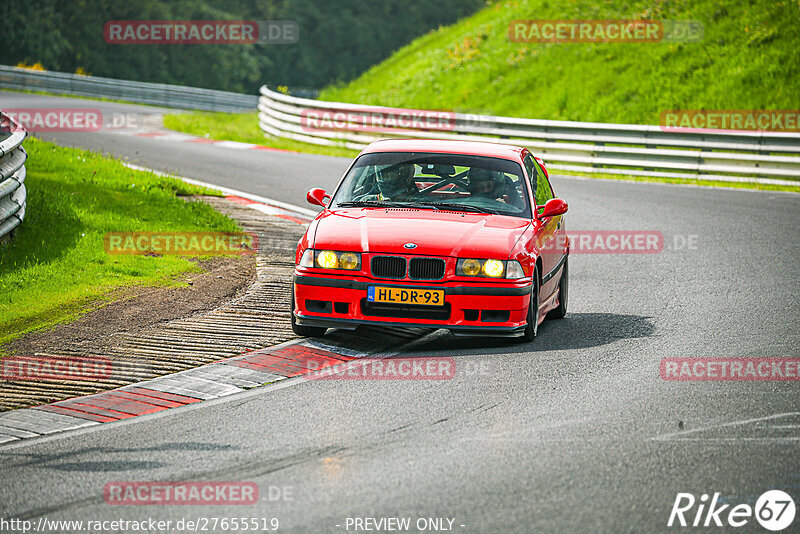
(494, 185)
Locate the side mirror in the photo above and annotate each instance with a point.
(553, 207)
(317, 196)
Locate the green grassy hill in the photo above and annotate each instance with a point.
(749, 59)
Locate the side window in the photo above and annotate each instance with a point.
(543, 191)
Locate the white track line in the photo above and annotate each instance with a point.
(236, 145)
(683, 433)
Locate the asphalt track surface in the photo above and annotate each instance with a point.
(575, 432)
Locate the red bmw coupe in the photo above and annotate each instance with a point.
(466, 236)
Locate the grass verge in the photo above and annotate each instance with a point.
(55, 269)
(242, 127)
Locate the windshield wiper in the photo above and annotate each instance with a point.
(463, 207)
(388, 204)
(378, 203)
(426, 205)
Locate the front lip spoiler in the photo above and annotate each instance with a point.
(458, 330)
(461, 290)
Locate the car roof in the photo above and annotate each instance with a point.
(475, 148)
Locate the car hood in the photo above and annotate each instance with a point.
(436, 233)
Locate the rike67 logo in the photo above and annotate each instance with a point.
(774, 510)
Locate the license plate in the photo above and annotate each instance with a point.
(396, 295)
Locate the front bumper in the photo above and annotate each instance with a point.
(478, 309)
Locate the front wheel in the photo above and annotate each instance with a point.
(533, 309)
(304, 331)
(563, 293)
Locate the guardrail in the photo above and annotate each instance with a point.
(637, 150)
(12, 176)
(159, 94)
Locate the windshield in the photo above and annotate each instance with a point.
(435, 181)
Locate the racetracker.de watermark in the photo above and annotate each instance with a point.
(608, 242)
(730, 369)
(604, 31)
(180, 243)
(73, 120)
(717, 120)
(372, 120)
(395, 368)
(201, 32)
(180, 493)
(51, 120)
(55, 368)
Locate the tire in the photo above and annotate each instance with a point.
(533, 310)
(563, 293)
(304, 331)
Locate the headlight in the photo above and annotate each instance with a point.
(487, 268)
(493, 268)
(471, 267)
(329, 259)
(349, 260)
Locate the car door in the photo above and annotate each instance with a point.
(550, 234)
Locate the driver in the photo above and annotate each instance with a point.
(493, 184)
(396, 182)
